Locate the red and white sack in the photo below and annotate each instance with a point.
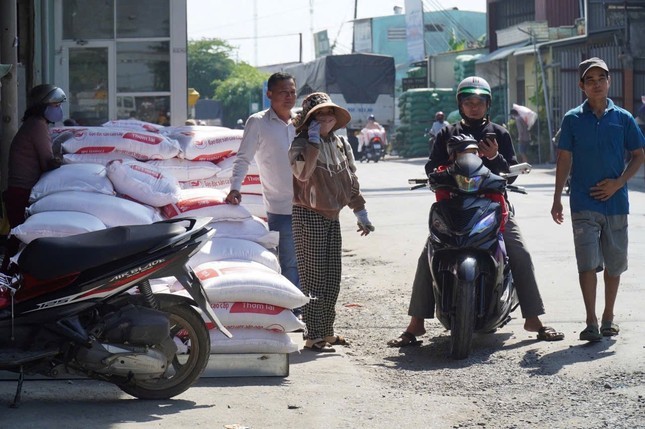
(184, 169)
(111, 210)
(205, 202)
(203, 143)
(252, 315)
(141, 145)
(254, 203)
(135, 124)
(225, 249)
(56, 224)
(143, 182)
(98, 158)
(237, 281)
(251, 341)
(74, 177)
(253, 229)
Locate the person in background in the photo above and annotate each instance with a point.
(239, 125)
(190, 122)
(474, 97)
(523, 136)
(70, 122)
(30, 155)
(324, 181)
(266, 140)
(372, 129)
(593, 139)
(438, 124)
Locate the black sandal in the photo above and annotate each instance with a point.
(404, 340)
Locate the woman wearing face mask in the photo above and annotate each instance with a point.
(324, 182)
(30, 155)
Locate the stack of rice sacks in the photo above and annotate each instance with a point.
(131, 172)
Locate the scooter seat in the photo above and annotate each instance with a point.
(52, 257)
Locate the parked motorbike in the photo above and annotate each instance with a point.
(374, 150)
(472, 281)
(83, 305)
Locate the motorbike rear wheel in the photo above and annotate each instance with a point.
(187, 326)
(462, 322)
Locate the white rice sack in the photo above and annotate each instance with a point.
(143, 182)
(251, 184)
(205, 202)
(184, 169)
(254, 203)
(74, 177)
(251, 341)
(111, 210)
(56, 224)
(141, 145)
(201, 143)
(238, 281)
(252, 315)
(98, 158)
(254, 229)
(223, 249)
(135, 124)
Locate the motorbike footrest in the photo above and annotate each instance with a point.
(15, 357)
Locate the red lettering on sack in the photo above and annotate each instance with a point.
(208, 273)
(251, 179)
(143, 138)
(144, 170)
(255, 308)
(214, 157)
(95, 149)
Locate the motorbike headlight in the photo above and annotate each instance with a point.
(484, 224)
(438, 224)
(468, 184)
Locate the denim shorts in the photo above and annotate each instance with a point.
(600, 242)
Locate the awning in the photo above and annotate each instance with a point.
(501, 53)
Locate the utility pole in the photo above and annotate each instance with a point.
(255, 32)
(9, 84)
(355, 17)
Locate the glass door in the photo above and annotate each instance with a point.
(88, 90)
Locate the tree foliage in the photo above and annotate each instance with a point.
(209, 60)
(236, 93)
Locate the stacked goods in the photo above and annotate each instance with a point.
(417, 109)
(465, 66)
(254, 302)
(107, 185)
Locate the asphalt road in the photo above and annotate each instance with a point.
(358, 387)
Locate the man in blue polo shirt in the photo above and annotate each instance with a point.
(593, 142)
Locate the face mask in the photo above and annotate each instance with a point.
(53, 113)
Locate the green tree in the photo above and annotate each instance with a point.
(236, 93)
(209, 60)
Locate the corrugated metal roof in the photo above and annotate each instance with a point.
(501, 53)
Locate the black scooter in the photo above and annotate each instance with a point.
(472, 281)
(83, 305)
(373, 151)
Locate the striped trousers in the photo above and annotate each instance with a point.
(318, 251)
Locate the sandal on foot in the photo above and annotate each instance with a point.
(608, 328)
(337, 340)
(547, 333)
(404, 340)
(320, 347)
(591, 333)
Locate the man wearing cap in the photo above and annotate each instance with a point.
(593, 140)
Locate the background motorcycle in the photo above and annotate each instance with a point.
(472, 281)
(374, 150)
(70, 309)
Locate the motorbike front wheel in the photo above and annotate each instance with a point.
(462, 322)
(186, 327)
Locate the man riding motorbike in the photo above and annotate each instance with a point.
(474, 98)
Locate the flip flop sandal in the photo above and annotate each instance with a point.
(337, 340)
(404, 340)
(591, 334)
(320, 347)
(547, 333)
(609, 328)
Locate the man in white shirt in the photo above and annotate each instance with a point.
(267, 137)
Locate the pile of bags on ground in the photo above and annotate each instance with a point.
(130, 172)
